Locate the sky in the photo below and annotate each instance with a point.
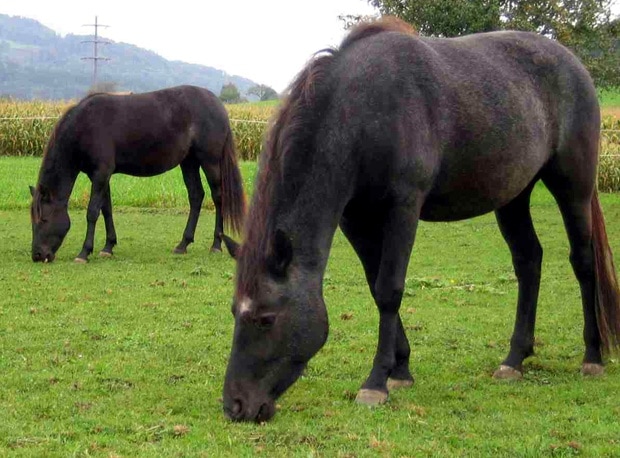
(267, 41)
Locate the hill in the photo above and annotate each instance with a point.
(38, 63)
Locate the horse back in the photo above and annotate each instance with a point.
(468, 122)
(149, 133)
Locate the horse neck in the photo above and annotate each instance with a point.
(310, 218)
(58, 174)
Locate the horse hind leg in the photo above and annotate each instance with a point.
(401, 377)
(212, 171)
(106, 211)
(195, 193)
(576, 208)
(515, 223)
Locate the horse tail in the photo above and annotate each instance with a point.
(607, 291)
(233, 198)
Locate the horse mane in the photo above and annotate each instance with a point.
(367, 29)
(48, 164)
(292, 134)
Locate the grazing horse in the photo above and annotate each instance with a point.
(392, 128)
(140, 135)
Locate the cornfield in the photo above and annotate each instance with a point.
(609, 162)
(26, 126)
(249, 123)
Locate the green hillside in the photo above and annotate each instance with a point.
(37, 63)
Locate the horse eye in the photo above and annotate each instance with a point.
(266, 321)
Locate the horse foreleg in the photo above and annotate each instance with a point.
(97, 198)
(110, 230)
(398, 236)
(366, 240)
(515, 223)
(195, 194)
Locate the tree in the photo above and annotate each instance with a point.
(263, 92)
(446, 18)
(585, 26)
(230, 94)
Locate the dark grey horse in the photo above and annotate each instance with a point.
(393, 128)
(141, 135)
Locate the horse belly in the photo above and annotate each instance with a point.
(467, 194)
(148, 163)
(457, 207)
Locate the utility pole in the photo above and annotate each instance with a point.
(96, 42)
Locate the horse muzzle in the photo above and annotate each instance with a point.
(242, 408)
(42, 256)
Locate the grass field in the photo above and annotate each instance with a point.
(126, 356)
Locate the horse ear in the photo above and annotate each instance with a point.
(31, 191)
(281, 255)
(46, 195)
(231, 245)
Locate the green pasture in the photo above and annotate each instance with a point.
(125, 357)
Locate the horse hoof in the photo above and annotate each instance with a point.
(105, 254)
(80, 261)
(371, 397)
(394, 384)
(216, 250)
(179, 251)
(592, 369)
(507, 373)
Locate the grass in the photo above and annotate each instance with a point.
(126, 356)
(162, 191)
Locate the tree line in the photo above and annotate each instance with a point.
(230, 93)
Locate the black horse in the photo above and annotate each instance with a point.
(393, 128)
(141, 135)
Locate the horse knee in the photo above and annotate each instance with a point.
(217, 197)
(388, 297)
(92, 215)
(528, 262)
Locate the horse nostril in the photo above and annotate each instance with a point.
(237, 407)
(265, 413)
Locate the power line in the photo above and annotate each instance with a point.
(96, 42)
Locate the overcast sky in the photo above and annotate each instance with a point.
(267, 41)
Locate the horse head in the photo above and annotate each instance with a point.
(280, 323)
(50, 224)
